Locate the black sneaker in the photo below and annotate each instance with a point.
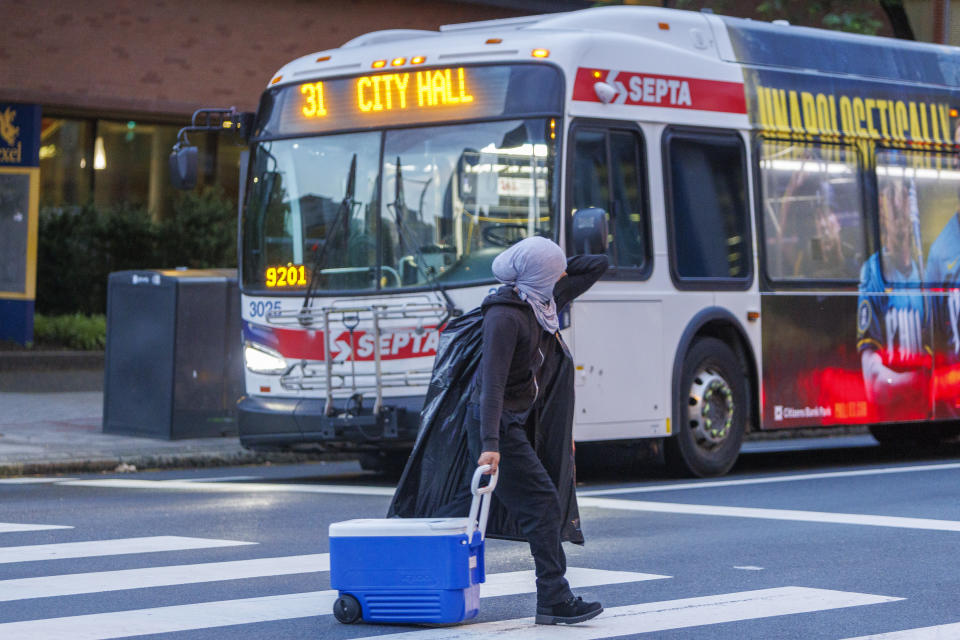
(570, 611)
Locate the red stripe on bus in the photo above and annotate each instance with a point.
(672, 92)
(395, 344)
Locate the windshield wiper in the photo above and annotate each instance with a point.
(399, 207)
(344, 211)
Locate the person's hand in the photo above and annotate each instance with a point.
(491, 458)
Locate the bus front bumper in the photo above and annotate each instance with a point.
(276, 424)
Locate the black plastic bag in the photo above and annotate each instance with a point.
(436, 479)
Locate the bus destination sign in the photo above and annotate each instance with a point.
(394, 91)
(406, 97)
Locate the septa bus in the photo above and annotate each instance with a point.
(778, 204)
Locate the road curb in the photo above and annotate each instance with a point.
(159, 461)
(33, 360)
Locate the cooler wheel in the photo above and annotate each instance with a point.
(346, 609)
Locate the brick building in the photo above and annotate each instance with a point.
(116, 79)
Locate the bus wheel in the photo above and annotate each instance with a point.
(711, 412)
(389, 463)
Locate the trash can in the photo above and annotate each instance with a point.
(173, 363)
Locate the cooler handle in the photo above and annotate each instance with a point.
(479, 514)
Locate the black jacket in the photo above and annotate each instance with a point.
(436, 479)
(514, 346)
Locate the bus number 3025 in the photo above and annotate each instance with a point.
(259, 308)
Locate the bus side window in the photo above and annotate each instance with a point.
(708, 205)
(813, 220)
(607, 173)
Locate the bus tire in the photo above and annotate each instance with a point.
(710, 412)
(390, 463)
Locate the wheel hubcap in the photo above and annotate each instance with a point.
(710, 408)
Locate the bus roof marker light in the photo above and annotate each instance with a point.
(954, 113)
(418, 59)
(276, 80)
(379, 64)
(540, 53)
(664, 26)
(398, 62)
(493, 41)
(322, 59)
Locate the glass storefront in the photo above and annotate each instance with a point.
(66, 162)
(111, 163)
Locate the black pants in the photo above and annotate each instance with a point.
(528, 493)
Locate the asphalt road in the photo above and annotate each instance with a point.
(835, 543)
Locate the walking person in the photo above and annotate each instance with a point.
(520, 331)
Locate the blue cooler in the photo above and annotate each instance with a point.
(413, 570)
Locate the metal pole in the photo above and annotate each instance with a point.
(376, 357)
(328, 361)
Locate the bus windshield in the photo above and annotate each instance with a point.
(402, 208)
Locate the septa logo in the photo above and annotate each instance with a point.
(395, 344)
(778, 413)
(654, 90)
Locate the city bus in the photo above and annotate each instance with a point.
(778, 204)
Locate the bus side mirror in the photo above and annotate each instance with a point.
(183, 166)
(589, 232)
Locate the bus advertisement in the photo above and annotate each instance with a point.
(780, 203)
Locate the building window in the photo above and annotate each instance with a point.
(812, 211)
(110, 163)
(66, 162)
(130, 165)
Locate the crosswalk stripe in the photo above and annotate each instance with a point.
(939, 632)
(14, 527)
(205, 615)
(100, 581)
(119, 546)
(216, 479)
(251, 487)
(32, 480)
(514, 582)
(187, 617)
(713, 484)
(773, 514)
(660, 616)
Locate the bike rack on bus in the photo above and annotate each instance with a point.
(352, 315)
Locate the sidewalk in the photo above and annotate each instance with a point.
(43, 433)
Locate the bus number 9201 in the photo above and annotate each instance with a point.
(292, 275)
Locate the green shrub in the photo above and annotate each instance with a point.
(202, 232)
(87, 333)
(67, 262)
(79, 248)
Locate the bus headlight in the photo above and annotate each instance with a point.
(261, 359)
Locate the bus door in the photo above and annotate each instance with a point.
(616, 326)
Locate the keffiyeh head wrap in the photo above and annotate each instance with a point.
(532, 267)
